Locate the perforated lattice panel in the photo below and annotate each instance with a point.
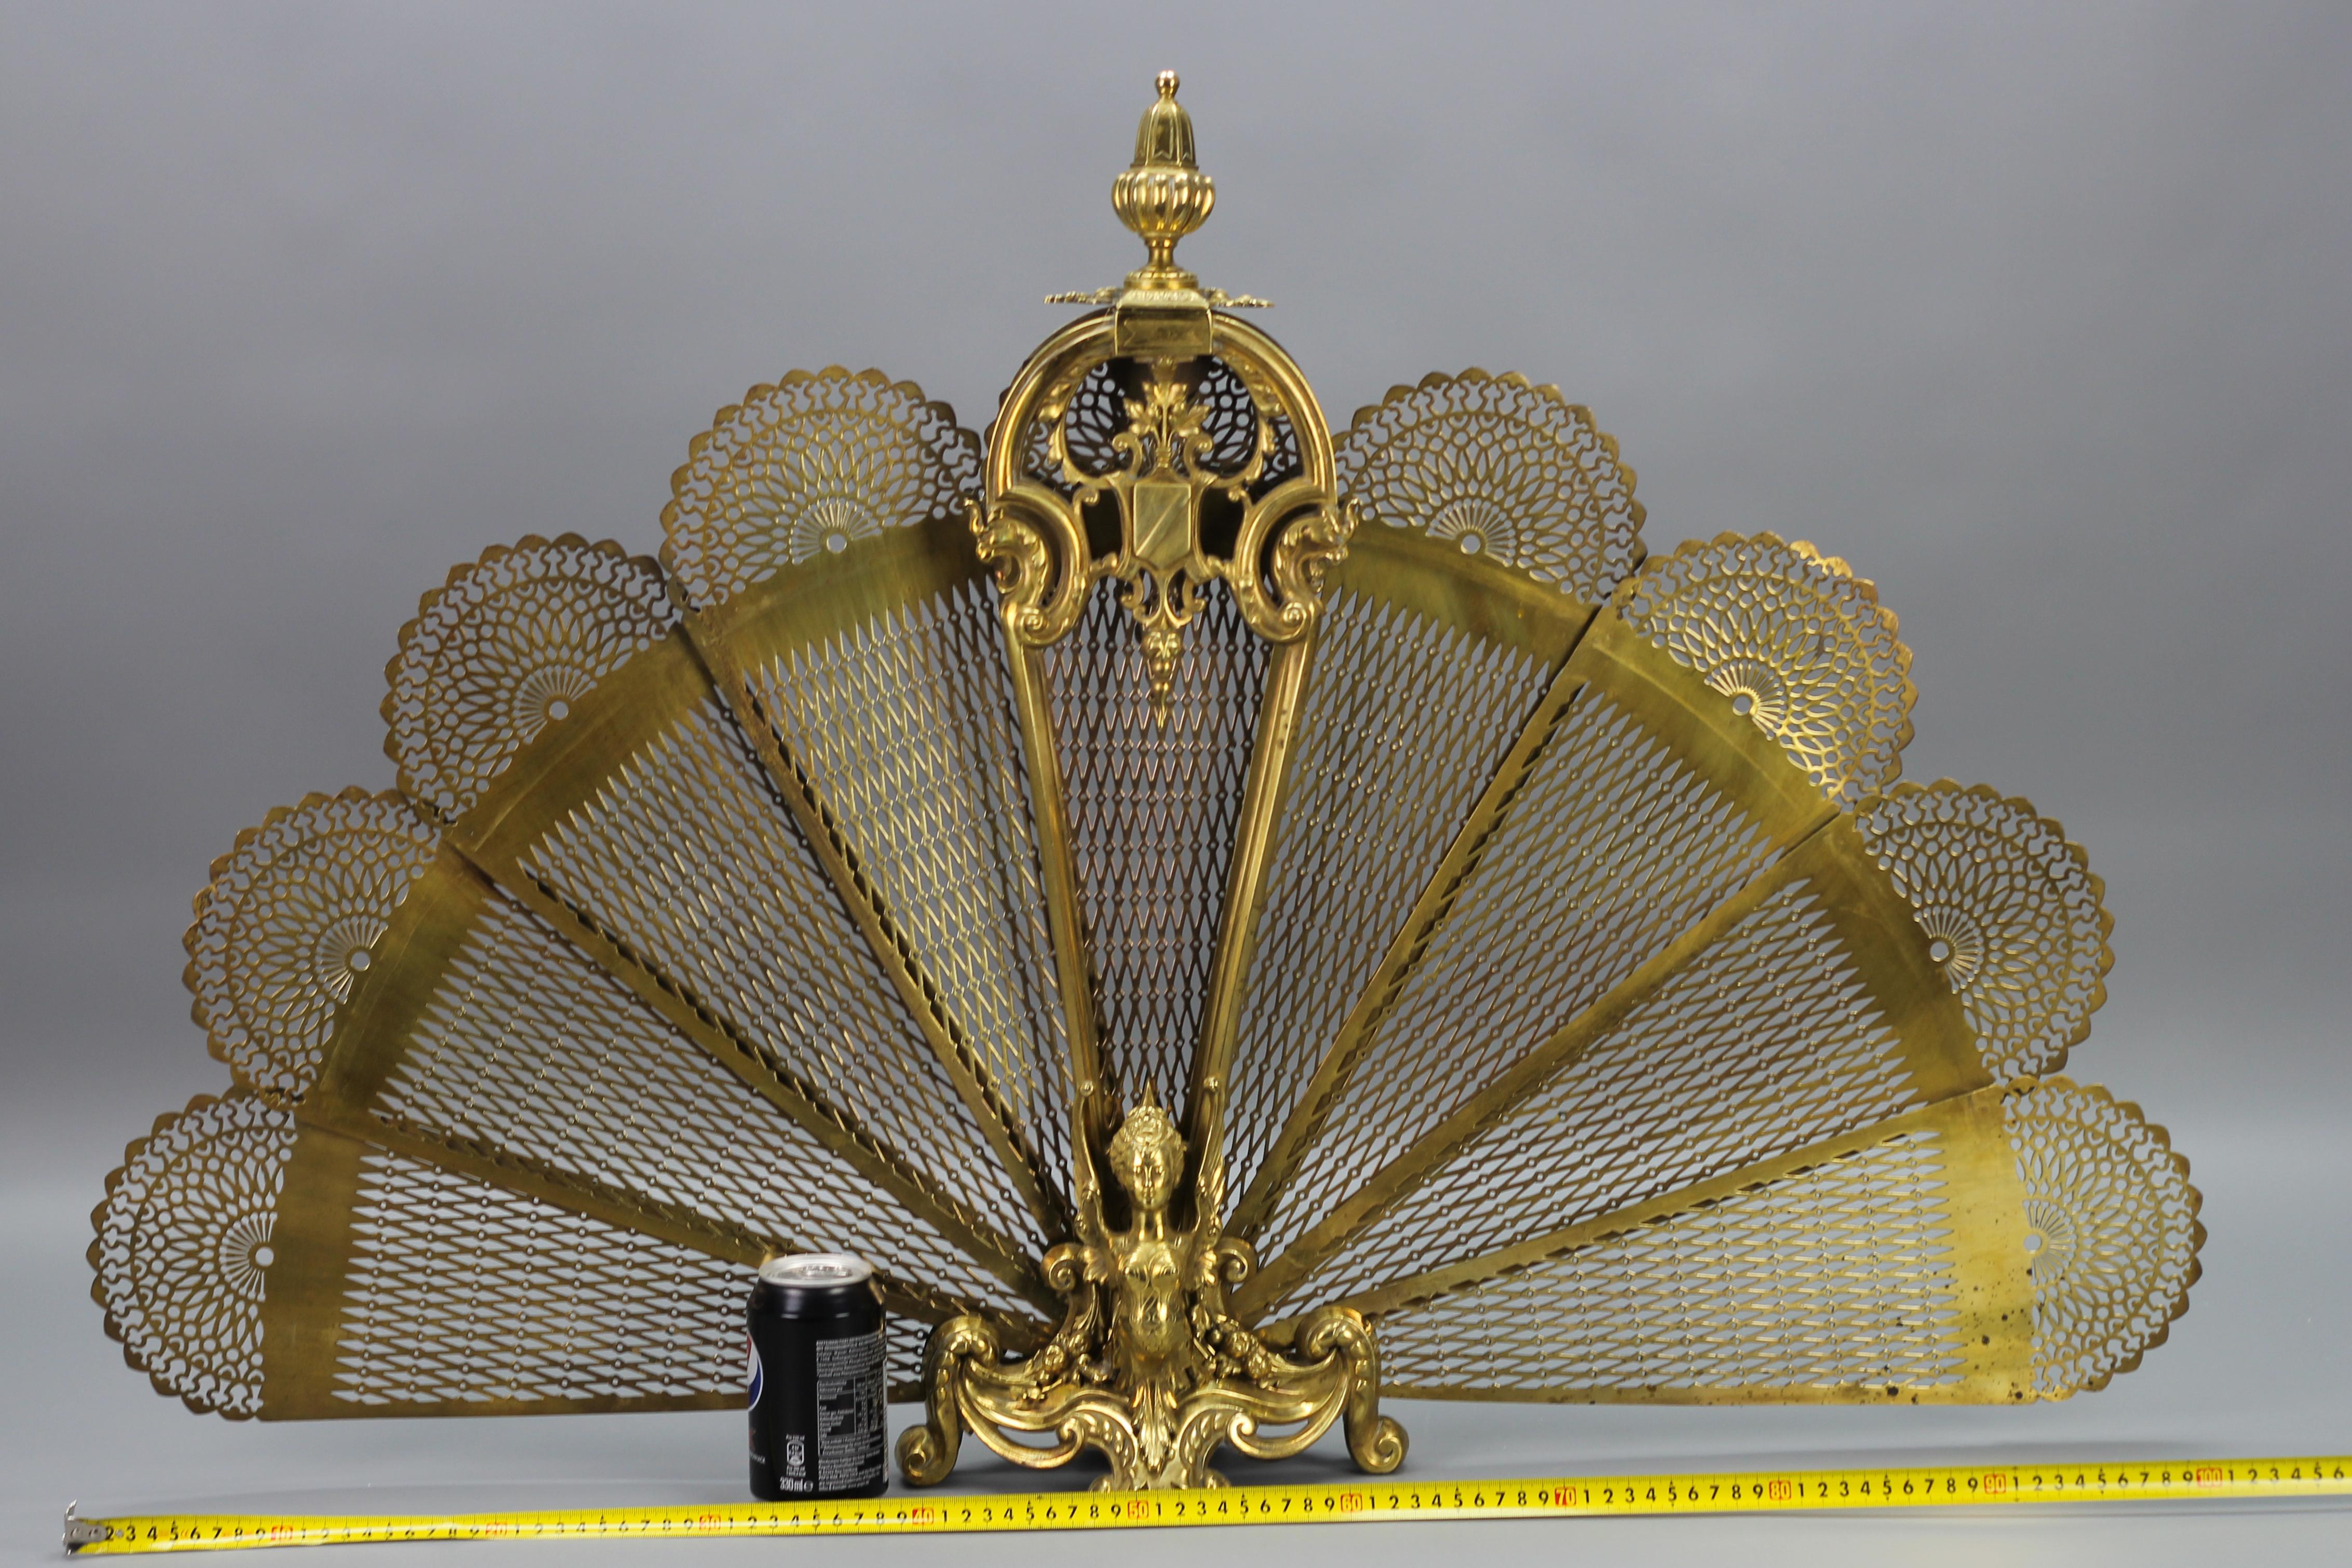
(2011, 912)
(688, 856)
(1500, 469)
(1404, 721)
(509, 645)
(1610, 849)
(182, 1250)
(525, 1049)
(288, 921)
(905, 726)
(1766, 1042)
(1838, 1276)
(2112, 1229)
(1152, 806)
(459, 1291)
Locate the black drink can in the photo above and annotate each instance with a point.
(817, 1379)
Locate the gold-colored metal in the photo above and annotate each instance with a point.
(1163, 195)
(1149, 1367)
(983, 854)
(1283, 524)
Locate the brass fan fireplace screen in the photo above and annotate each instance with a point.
(1233, 923)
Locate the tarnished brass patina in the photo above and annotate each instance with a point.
(1068, 866)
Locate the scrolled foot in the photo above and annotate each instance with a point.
(924, 1458)
(1379, 1449)
(927, 1454)
(1376, 1442)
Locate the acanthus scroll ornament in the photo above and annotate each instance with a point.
(1269, 526)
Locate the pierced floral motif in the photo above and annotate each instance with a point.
(182, 1252)
(2011, 912)
(808, 468)
(1500, 469)
(507, 647)
(1797, 641)
(1097, 417)
(288, 923)
(2112, 1232)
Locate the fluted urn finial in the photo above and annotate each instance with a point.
(1163, 195)
(1162, 310)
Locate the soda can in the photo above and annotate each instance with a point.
(817, 1379)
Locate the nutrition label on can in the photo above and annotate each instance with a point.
(850, 1437)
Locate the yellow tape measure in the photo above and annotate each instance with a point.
(1565, 1497)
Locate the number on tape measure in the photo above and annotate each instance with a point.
(1345, 1502)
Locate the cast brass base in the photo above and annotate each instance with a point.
(1147, 1368)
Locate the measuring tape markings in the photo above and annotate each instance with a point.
(1566, 1496)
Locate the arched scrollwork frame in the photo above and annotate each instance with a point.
(1034, 535)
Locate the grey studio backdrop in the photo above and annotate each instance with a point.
(2039, 315)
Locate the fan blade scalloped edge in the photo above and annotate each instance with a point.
(1584, 534)
(1829, 992)
(908, 460)
(1929, 1258)
(212, 1366)
(2030, 960)
(1696, 603)
(253, 1265)
(288, 924)
(470, 686)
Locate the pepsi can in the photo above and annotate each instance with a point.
(817, 1379)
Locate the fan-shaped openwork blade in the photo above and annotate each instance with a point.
(1811, 1003)
(820, 536)
(1636, 800)
(648, 831)
(1496, 518)
(1679, 1080)
(510, 646)
(500, 1050)
(252, 1265)
(1885, 1262)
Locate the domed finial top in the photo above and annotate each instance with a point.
(1163, 195)
(1164, 140)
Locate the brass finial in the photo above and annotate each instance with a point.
(1163, 195)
